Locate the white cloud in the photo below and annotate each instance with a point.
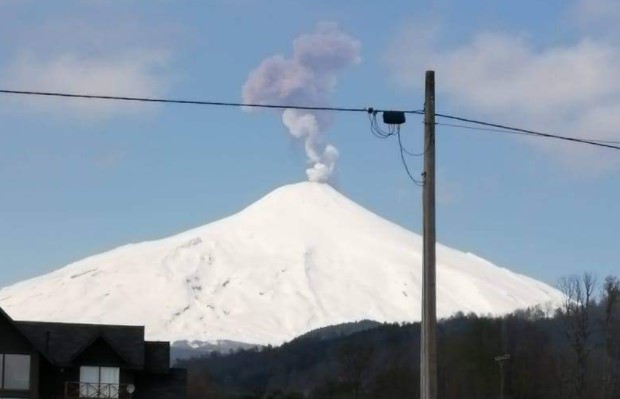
(571, 89)
(597, 14)
(94, 49)
(139, 73)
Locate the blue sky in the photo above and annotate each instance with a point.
(80, 178)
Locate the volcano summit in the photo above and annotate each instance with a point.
(302, 257)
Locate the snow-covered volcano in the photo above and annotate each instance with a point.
(302, 257)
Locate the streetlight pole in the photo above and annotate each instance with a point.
(500, 361)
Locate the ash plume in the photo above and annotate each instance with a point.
(306, 78)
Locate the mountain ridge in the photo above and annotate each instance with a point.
(301, 258)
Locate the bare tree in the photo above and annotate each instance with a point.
(577, 311)
(610, 301)
(355, 360)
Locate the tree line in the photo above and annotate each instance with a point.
(568, 352)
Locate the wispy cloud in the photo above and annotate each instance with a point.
(598, 15)
(90, 51)
(131, 74)
(570, 89)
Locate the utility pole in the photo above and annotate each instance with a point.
(500, 360)
(428, 345)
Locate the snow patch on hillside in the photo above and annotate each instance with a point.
(301, 258)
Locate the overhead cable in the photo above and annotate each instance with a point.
(515, 130)
(193, 102)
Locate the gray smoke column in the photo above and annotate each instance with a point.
(307, 78)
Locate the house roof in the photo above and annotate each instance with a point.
(12, 323)
(63, 342)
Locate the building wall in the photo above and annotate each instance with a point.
(72, 374)
(170, 385)
(12, 342)
(99, 353)
(47, 381)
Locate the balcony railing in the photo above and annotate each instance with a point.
(85, 390)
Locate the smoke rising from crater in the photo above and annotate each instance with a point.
(306, 78)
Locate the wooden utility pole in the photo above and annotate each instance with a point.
(428, 344)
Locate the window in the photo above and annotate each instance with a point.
(15, 372)
(99, 382)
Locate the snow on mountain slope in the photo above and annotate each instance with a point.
(302, 257)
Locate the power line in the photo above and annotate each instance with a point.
(419, 183)
(514, 130)
(372, 113)
(482, 129)
(394, 130)
(194, 102)
(496, 127)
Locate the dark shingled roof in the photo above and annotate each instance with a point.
(62, 342)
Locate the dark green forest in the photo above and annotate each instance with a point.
(570, 352)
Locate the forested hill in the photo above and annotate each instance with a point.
(569, 353)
